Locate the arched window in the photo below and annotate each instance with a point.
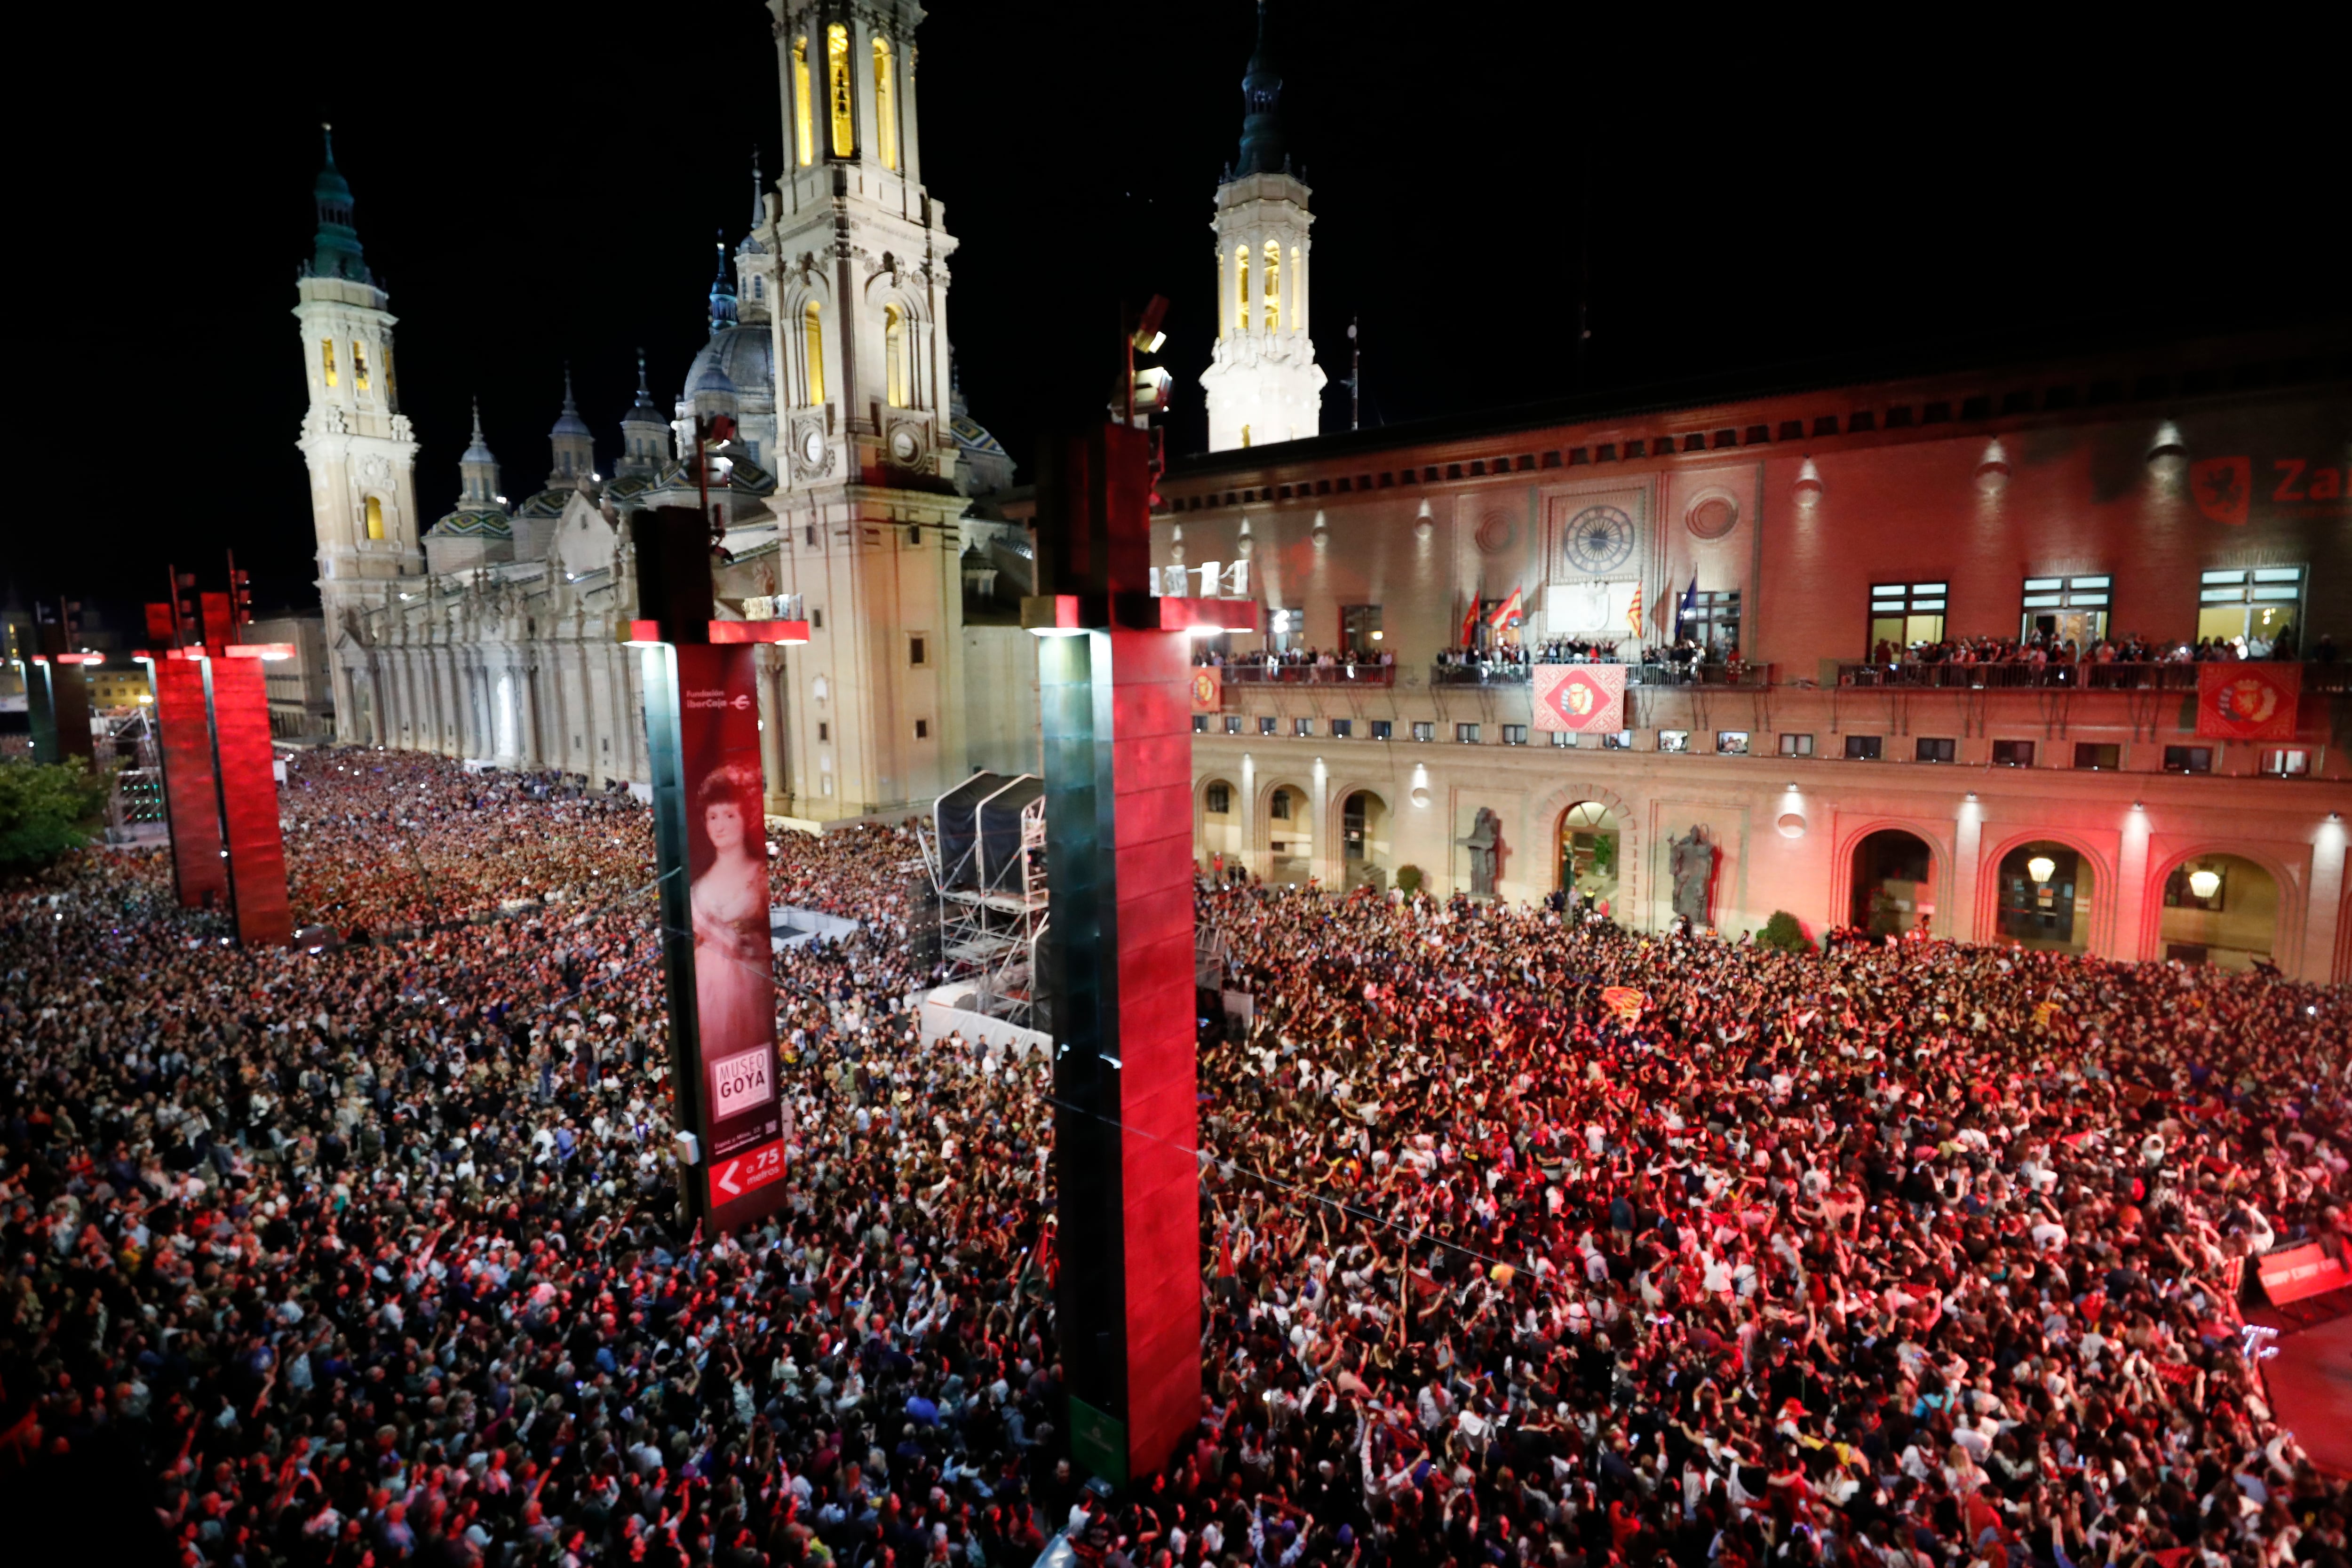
(804, 134)
(812, 348)
(885, 105)
(1273, 286)
(758, 290)
(374, 516)
(327, 359)
(1241, 289)
(894, 352)
(359, 364)
(836, 90)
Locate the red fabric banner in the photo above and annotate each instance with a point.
(191, 803)
(1208, 689)
(740, 1120)
(1582, 698)
(2247, 700)
(248, 792)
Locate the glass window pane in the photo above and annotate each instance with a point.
(1927, 603)
(2274, 594)
(2044, 601)
(2229, 621)
(2222, 577)
(2034, 584)
(2222, 596)
(1923, 628)
(2279, 575)
(1882, 588)
(2089, 582)
(1929, 587)
(2085, 601)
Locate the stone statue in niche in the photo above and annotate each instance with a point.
(1486, 846)
(1691, 864)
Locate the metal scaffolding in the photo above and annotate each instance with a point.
(985, 850)
(135, 804)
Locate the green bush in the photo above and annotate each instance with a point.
(1408, 880)
(44, 806)
(1782, 932)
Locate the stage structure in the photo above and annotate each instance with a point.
(985, 850)
(1118, 954)
(702, 734)
(56, 690)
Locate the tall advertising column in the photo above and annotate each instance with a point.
(702, 729)
(191, 798)
(1116, 713)
(245, 768)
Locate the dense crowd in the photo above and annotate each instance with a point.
(1908, 1257)
(2041, 649)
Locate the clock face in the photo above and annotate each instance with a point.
(1599, 539)
(903, 445)
(812, 448)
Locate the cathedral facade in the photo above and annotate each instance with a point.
(493, 633)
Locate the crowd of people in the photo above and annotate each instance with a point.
(2042, 650)
(1920, 1257)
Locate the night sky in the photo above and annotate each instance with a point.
(537, 183)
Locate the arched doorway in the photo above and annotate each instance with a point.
(1220, 846)
(1588, 856)
(1290, 835)
(1364, 841)
(2045, 898)
(2220, 909)
(1894, 882)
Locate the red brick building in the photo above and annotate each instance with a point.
(1824, 544)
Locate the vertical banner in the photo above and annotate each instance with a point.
(739, 1119)
(249, 800)
(2247, 700)
(1208, 689)
(1580, 699)
(191, 803)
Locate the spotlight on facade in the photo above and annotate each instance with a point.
(1423, 525)
(1992, 469)
(1808, 484)
(2204, 882)
(1972, 797)
(2168, 455)
(2041, 868)
(1321, 531)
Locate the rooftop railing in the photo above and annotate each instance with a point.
(1310, 674)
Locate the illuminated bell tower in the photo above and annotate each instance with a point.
(849, 261)
(1262, 383)
(361, 450)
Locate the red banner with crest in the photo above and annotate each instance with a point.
(1208, 689)
(1584, 698)
(2247, 700)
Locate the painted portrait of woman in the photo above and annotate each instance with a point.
(734, 988)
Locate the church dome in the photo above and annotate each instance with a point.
(744, 357)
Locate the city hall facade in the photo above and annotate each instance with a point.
(1809, 545)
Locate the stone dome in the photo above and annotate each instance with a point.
(745, 356)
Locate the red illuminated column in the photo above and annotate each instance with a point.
(249, 793)
(190, 801)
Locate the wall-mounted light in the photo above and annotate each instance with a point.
(1992, 469)
(1423, 525)
(2168, 455)
(1808, 484)
(2041, 868)
(1245, 546)
(1972, 797)
(2139, 806)
(1321, 532)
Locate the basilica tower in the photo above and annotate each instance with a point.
(361, 450)
(846, 266)
(1262, 383)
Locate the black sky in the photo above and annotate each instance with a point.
(538, 183)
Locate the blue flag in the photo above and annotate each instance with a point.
(1690, 599)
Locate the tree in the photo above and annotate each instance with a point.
(44, 808)
(1784, 933)
(1408, 880)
